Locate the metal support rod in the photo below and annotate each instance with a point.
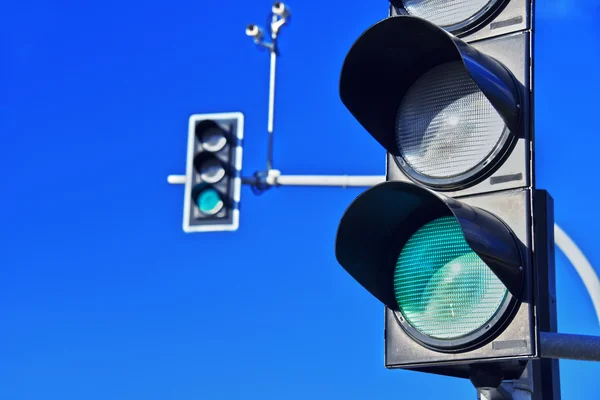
(279, 16)
(522, 388)
(273, 179)
(176, 179)
(262, 181)
(271, 121)
(571, 347)
(499, 393)
(325, 180)
(518, 389)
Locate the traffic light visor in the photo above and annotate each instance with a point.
(445, 111)
(450, 271)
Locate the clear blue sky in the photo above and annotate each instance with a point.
(102, 296)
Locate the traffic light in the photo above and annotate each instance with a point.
(213, 173)
(457, 242)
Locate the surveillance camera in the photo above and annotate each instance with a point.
(254, 32)
(281, 9)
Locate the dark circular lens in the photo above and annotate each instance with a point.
(211, 170)
(213, 139)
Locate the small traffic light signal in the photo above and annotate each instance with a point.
(213, 173)
(447, 242)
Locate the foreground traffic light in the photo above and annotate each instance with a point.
(447, 243)
(213, 173)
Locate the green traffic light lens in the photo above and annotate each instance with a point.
(443, 288)
(209, 201)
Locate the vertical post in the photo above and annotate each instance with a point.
(518, 389)
(523, 388)
(546, 373)
(270, 125)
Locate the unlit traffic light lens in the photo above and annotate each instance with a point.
(443, 289)
(211, 170)
(209, 201)
(446, 12)
(213, 139)
(446, 127)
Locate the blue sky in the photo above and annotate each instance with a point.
(104, 297)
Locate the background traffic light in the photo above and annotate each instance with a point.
(213, 172)
(458, 243)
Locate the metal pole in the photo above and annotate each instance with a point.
(324, 180)
(273, 179)
(522, 388)
(518, 389)
(270, 125)
(280, 14)
(567, 346)
(499, 393)
(176, 179)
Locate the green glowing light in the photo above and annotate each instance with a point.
(443, 289)
(209, 201)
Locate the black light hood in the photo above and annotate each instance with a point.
(391, 55)
(378, 223)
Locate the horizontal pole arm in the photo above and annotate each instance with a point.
(326, 180)
(303, 180)
(567, 346)
(176, 179)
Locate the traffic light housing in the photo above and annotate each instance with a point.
(213, 172)
(455, 243)
(470, 20)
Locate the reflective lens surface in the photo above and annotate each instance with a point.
(444, 290)
(213, 139)
(445, 125)
(211, 170)
(446, 12)
(209, 201)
